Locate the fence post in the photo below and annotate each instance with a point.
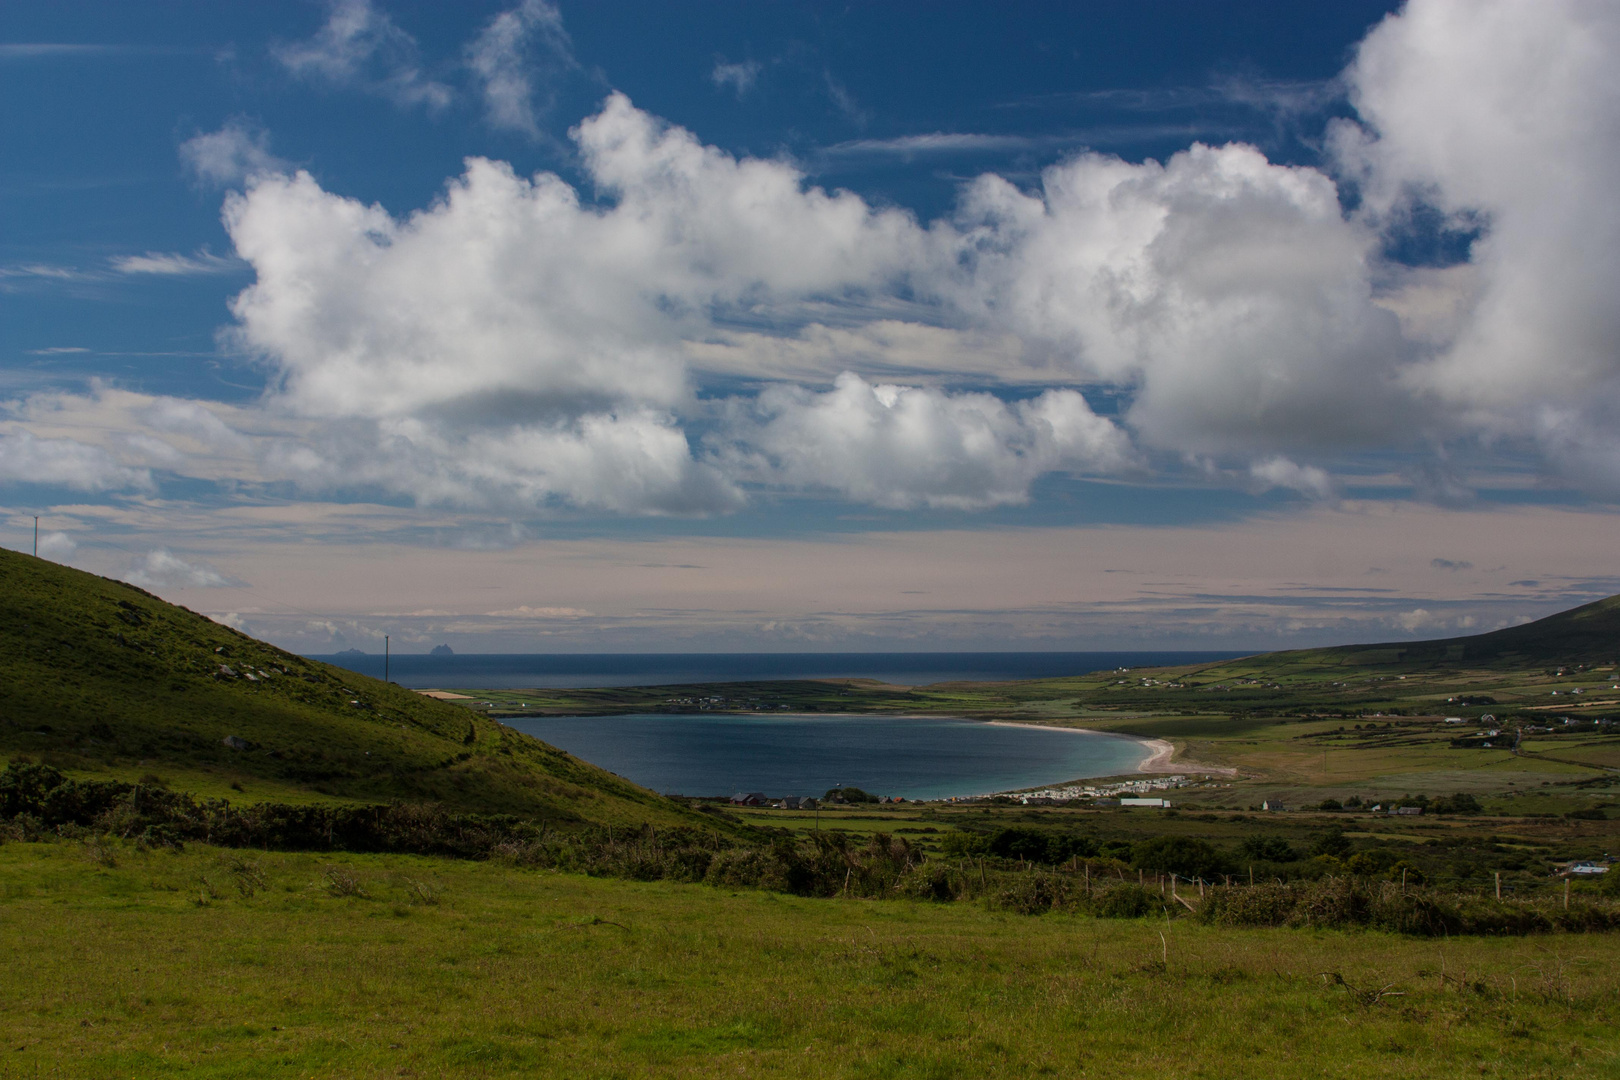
(1499, 884)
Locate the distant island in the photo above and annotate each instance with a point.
(350, 652)
(438, 650)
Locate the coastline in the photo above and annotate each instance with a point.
(1159, 760)
(1161, 751)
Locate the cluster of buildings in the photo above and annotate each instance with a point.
(709, 704)
(1126, 792)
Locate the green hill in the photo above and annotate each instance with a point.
(1589, 634)
(100, 677)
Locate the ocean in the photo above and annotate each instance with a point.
(563, 670)
(913, 757)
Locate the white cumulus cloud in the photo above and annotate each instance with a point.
(57, 546)
(161, 569)
(69, 463)
(510, 341)
(516, 343)
(1230, 292)
(1279, 472)
(904, 446)
(1507, 114)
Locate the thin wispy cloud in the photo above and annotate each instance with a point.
(360, 46)
(33, 50)
(937, 142)
(943, 143)
(44, 270)
(740, 76)
(174, 264)
(238, 150)
(845, 101)
(512, 56)
(1250, 91)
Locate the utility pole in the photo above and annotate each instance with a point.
(385, 658)
(36, 536)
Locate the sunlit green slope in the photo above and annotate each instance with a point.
(100, 674)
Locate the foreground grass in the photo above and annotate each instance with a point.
(230, 964)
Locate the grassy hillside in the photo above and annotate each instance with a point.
(101, 677)
(1589, 634)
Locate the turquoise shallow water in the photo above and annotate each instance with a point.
(914, 757)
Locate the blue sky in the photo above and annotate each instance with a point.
(532, 326)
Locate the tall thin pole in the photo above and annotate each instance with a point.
(36, 536)
(385, 658)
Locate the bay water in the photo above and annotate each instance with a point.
(913, 757)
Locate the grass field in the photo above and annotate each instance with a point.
(230, 964)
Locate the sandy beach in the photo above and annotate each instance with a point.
(1159, 760)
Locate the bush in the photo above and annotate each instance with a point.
(1374, 862)
(1268, 904)
(1179, 855)
(1460, 803)
(959, 844)
(1267, 849)
(1035, 845)
(1031, 894)
(1125, 901)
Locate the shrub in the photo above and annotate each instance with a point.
(1460, 803)
(1033, 893)
(1039, 846)
(1267, 904)
(1179, 855)
(341, 881)
(1125, 900)
(1267, 849)
(1332, 842)
(960, 844)
(1373, 862)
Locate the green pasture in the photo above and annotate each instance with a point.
(210, 963)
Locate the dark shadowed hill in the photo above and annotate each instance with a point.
(1589, 634)
(98, 675)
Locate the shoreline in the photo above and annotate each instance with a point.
(1161, 751)
(1159, 760)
